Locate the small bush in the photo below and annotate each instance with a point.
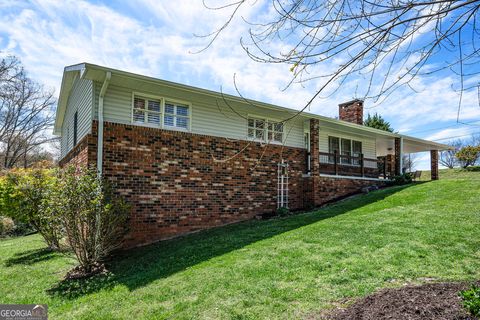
(471, 300)
(7, 226)
(283, 211)
(93, 218)
(402, 179)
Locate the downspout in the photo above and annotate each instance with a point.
(108, 76)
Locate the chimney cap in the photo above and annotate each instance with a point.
(350, 102)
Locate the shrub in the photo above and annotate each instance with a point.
(283, 211)
(26, 199)
(471, 300)
(7, 226)
(7, 190)
(94, 219)
(467, 156)
(402, 179)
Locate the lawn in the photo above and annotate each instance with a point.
(292, 267)
(457, 173)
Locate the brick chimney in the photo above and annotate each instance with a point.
(351, 111)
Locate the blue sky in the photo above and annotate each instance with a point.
(156, 38)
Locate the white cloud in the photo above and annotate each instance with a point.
(156, 38)
(453, 133)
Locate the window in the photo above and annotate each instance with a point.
(275, 131)
(177, 115)
(146, 111)
(345, 147)
(346, 150)
(265, 130)
(75, 128)
(333, 147)
(256, 128)
(356, 151)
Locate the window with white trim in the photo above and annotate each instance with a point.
(275, 131)
(176, 115)
(265, 130)
(146, 110)
(346, 148)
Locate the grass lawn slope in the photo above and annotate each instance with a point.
(292, 267)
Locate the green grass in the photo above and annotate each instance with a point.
(292, 267)
(457, 173)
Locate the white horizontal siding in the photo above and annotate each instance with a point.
(80, 100)
(368, 144)
(207, 117)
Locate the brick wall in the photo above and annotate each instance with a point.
(83, 154)
(330, 189)
(179, 182)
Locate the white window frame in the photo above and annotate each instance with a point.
(267, 121)
(340, 147)
(176, 103)
(161, 113)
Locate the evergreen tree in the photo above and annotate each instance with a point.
(376, 121)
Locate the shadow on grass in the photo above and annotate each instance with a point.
(31, 257)
(472, 169)
(138, 267)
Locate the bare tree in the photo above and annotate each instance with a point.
(409, 160)
(447, 157)
(25, 114)
(385, 43)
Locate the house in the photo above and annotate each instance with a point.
(189, 159)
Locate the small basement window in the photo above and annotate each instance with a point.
(146, 110)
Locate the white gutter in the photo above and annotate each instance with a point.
(108, 76)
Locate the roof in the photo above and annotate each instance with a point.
(97, 73)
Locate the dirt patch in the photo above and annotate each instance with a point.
(439, 301)
(79, 272)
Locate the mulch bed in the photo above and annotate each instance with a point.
(439, 301)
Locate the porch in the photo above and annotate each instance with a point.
(363, 153)
(354, 166)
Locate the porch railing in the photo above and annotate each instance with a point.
(339, 164)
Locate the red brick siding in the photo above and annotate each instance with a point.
(434, 164)
(398, 170)
(83, 154)
(329, 189)
(175, 186)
